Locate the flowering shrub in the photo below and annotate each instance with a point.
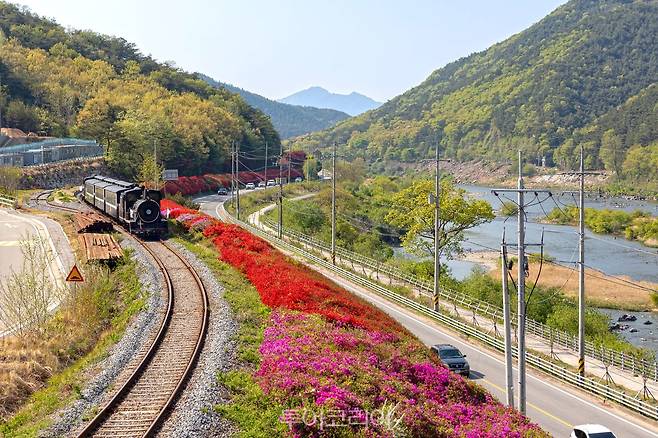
(326, 351)
(326, 368)
(191, 185)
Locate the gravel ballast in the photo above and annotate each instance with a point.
(193, 414)
(136, 337)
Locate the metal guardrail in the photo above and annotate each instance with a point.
(623, 361)
(573, 379)
(8, 201)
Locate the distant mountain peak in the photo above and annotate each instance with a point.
(316, 96)
(289, 120)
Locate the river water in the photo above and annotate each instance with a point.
(608, 254)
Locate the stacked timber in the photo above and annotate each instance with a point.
(100, 247)
(92, 223)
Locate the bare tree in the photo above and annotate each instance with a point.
(26, 296)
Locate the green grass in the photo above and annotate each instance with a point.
(250, 409)
(64, 387)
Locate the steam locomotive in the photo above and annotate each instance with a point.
(137, 208)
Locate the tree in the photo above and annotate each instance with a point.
(27, 296)
(18, 115)
(150, 173)
(9, 179)
(311, 168)
(612, 151)
(411, 212)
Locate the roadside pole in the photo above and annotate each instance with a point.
(509, 380)
(289, 162)
(435, 199)
(581, 258)
(521, 290)
(437, 229)
(333, 206)
(237, 178)
(265, 164)
(522, 274)
(581, 267)
(233, 173)
(281, 193)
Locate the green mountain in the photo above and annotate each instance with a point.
(585, 73)
(60, 82)
(289, 120)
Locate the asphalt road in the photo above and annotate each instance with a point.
(554, 406)
(16, 227)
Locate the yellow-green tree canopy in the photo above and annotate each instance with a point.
(412, 212)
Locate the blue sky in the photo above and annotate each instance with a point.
(277, 47)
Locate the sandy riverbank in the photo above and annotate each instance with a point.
(601, 290)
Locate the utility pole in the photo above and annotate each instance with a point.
(521, 290)
(581, 259)
(333, 205)
(233, 173)
(289, 162)
(435, 199)
(522, 268)
(509, 379)
(155, 159)
(281, 193)
(237, 178)
(437, 229)
(266, 163)
(581, 267)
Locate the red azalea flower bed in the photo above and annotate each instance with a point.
(191, 185)
(348, 358)
(279, 281)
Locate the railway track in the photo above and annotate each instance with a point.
(42, 198)
(143, 402)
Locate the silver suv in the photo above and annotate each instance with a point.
(452, 358)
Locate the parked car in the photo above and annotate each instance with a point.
(452, 358)
(591, 431)
(222, 191)
(261, 184)
(250, 186)
(298, 179)
(271, 183)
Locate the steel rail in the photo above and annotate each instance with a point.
(107, 411)
(111, 408)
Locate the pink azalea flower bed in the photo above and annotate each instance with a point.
(352, 370)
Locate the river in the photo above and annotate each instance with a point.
(608, 254)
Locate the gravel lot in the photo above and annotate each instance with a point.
(108, 373)
(193, 415)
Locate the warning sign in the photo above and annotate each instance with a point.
(74, 275)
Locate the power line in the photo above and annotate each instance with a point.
(610, 280)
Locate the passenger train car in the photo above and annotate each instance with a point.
(137, 208)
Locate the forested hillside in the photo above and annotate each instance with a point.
(288, 120)
(586, 73)
(60, 82)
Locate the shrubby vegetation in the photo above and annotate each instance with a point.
(80, 83)
(43, 363)
(637, 225)
(325, 350)
(585, 74)
(547, 305)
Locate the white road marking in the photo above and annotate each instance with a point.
(409, 315)
(384, 304)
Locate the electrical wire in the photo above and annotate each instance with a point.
(610, 280)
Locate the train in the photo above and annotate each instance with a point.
(136, 208)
